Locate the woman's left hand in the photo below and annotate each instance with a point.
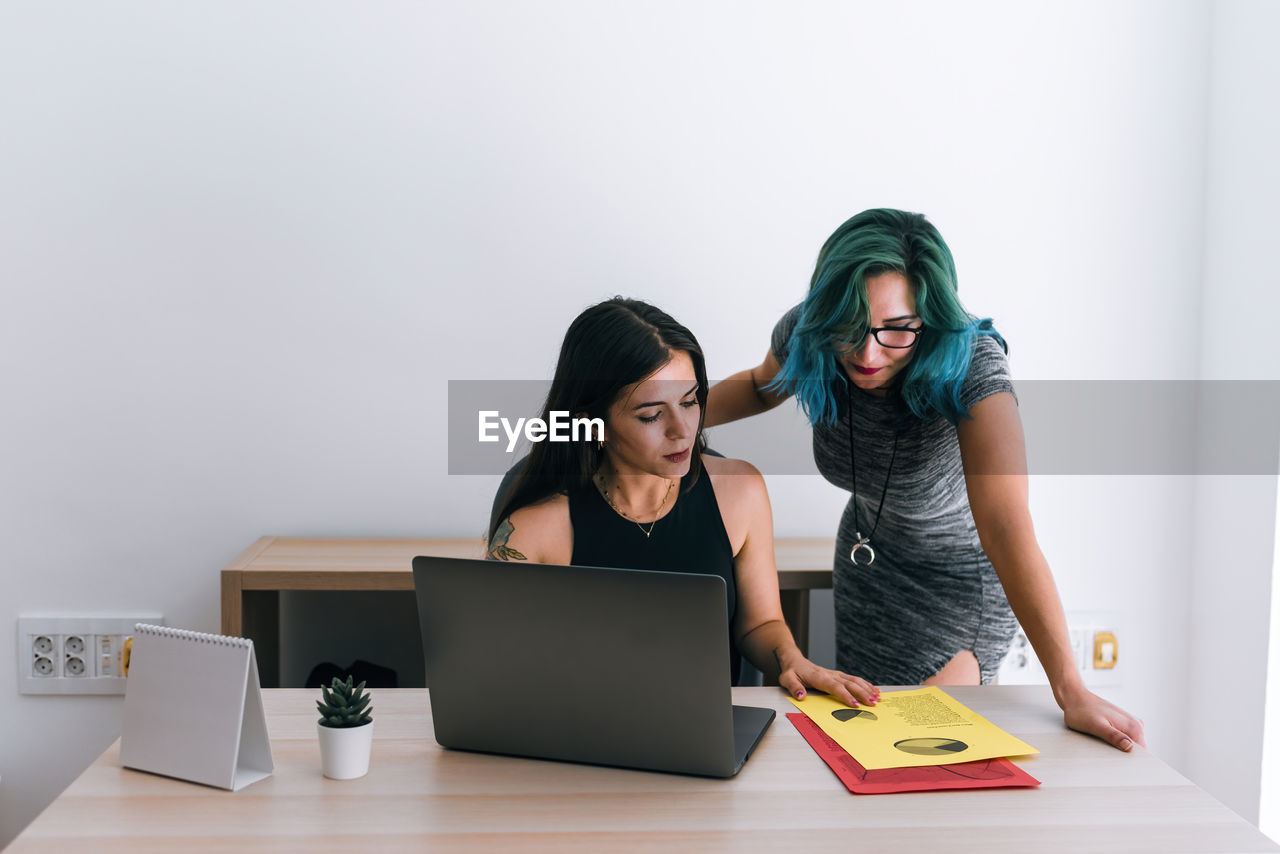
(803, 674)
(1088, 713)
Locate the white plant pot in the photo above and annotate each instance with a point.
(344, 751)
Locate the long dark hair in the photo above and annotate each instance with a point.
(607, 348)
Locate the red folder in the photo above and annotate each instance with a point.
(983, 774)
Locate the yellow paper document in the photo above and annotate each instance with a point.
(907, 729)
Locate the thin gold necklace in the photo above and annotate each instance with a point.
(616, 509)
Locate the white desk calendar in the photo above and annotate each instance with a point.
(193, 709)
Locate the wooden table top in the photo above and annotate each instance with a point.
(354, 563)
(418, 796)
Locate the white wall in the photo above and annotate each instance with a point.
(1235, 517)
(244, 247)
(1269, 800)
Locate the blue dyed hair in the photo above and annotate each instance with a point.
(875, 242)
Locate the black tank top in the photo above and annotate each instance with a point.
(690, 538)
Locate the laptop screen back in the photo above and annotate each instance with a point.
(608, 666)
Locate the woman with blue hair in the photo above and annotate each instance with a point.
(913, 412)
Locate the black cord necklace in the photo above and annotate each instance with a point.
(865, 542)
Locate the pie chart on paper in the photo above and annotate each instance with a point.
(931, 746)
(850, 714)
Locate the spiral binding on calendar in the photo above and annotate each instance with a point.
(195, 637)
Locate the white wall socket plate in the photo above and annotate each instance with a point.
(74, 654)
(1021, 667)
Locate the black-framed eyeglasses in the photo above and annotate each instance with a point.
(889, 337)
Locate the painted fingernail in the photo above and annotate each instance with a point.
(800, 694)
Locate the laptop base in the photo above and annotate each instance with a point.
(749, 726)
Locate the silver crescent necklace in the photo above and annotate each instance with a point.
(865, 542)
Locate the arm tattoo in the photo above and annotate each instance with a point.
(498, 548)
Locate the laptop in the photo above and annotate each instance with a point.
(619, 667)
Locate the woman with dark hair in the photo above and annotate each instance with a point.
(643, 496)
(913, 412)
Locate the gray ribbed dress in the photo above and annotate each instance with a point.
(931, 592)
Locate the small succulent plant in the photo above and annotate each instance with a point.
(343, 705)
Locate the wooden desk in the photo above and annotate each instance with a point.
(251, 585)
(419, 797)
